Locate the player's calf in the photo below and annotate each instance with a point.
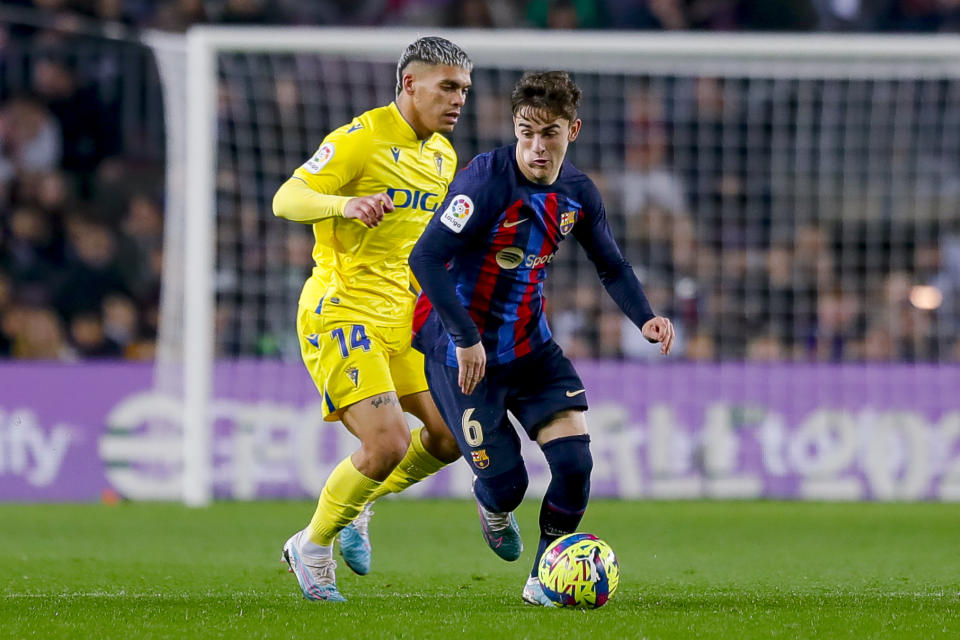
(568, 492)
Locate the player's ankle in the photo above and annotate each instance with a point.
(314, 550)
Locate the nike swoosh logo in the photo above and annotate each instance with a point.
(507, 225)
(571, 394)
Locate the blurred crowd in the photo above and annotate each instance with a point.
(82, 174)
(81, 209)
(716, 210)
(725, 15)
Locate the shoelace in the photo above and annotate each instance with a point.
(497, 521)
(322, 569)
(362, 521)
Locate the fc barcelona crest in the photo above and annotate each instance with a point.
(480, 458)
(567, 220)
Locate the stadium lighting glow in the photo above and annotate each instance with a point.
(926, 297)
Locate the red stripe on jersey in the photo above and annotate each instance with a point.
(521, 340)
(420, 312)
(490, 270)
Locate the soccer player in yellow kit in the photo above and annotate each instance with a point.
(369, 191)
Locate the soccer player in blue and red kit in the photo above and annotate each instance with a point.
(480, 321)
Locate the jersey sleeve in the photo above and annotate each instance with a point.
(468, 211)
(470, 206)
(339, 160)
(618, 278)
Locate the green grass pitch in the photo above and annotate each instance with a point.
(690, 570)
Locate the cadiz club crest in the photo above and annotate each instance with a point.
(567, 220)
(354, 376)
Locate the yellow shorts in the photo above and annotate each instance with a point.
(350, 362)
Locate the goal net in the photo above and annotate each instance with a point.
(792, 203)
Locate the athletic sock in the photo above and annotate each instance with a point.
(417, 464)
(341, 500)
(566, 498)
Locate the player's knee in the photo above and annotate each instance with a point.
(387, 447)
(504, 491)
(570, 465)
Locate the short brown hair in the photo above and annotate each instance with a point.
(552, 92)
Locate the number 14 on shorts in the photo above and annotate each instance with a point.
(358, 339)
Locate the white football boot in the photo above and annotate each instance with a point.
(533, 594)
(316, 574)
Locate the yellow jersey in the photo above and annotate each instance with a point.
(360, 273)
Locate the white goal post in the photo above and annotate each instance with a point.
(192, 275)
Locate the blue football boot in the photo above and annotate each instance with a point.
(501, 532)
(355, 542)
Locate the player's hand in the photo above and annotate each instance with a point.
(659, 329)
(368, 209)
(473, 364)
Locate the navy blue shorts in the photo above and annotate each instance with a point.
(533, 388)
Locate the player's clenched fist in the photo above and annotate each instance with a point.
(659, 329)
(368, 209)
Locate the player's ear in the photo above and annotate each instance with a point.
(406, 82)
(574, 130)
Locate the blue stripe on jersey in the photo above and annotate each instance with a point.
(507, 333)
(451, 352)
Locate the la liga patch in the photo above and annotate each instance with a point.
(320, 158)
(457, 213)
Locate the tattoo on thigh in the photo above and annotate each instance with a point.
(384, 399)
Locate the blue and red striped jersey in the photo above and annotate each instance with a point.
(483, 257)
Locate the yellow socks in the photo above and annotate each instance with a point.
(347, 490)
(343, 497)
(415, 466)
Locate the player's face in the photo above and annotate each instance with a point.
(438, 93)
(542, 142)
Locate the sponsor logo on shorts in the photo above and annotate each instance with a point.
(480, 458)
(320, 158)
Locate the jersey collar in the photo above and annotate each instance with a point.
(403, 127)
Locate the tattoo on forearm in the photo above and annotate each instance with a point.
(384, 399)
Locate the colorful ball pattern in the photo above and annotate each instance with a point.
(579, 570)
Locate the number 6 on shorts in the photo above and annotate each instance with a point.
(472, 429)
